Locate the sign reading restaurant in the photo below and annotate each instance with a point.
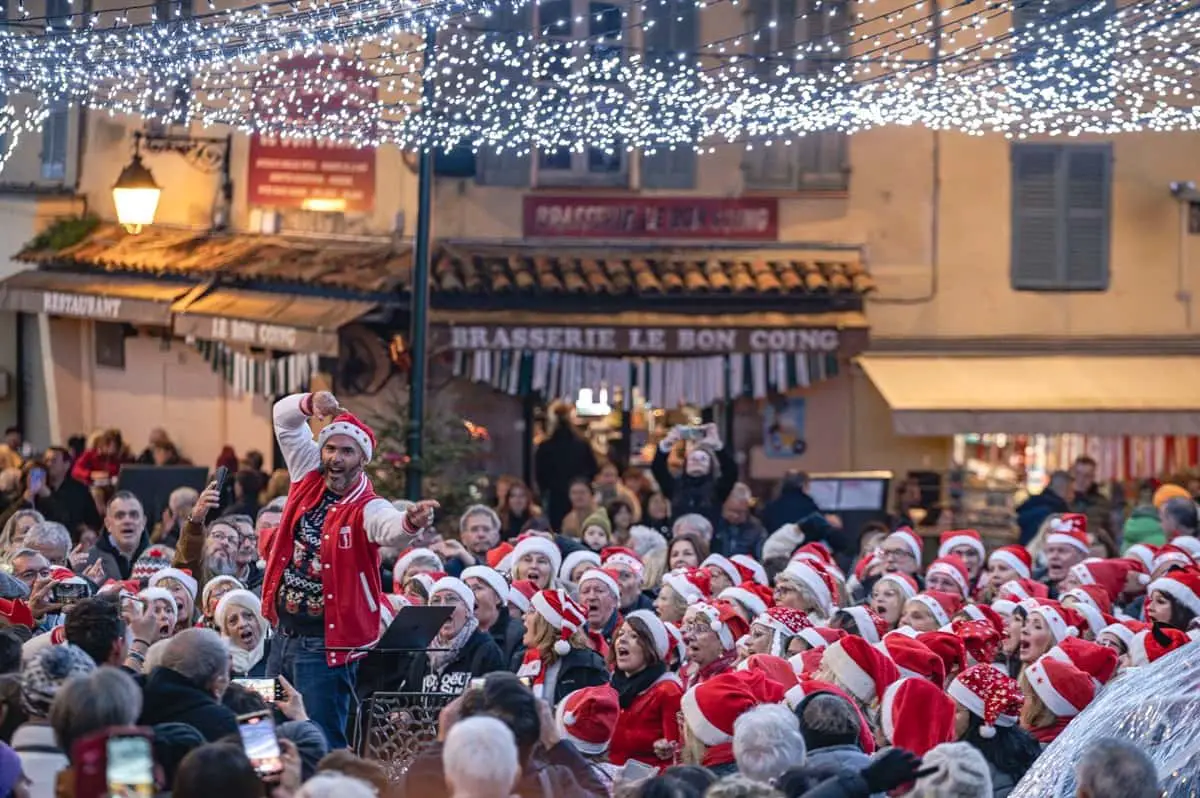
(679, 218)
(647, 340)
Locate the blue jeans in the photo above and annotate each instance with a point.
(328, 692)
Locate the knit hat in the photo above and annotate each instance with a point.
(818, 637)
(521, 593)
(1124, 631)
(1097, 661)
(954, 538)
(574, 560)
(942, 605)
(47, 671)
(152, 560)
(723, 564)
(916, 715)
(724, 620)
(598, 518)
(588, 718)
(1182, 586)
(914, 658)
(1064, 689)
(534, 544)
(1108, 574)
(955, 567)
(756, 598)
(619, 556)
(1155, 643)
(212, 584)
(1169, 491)
(658, 631)
(751, 570)
(870, 626)
(456, 586)
(605, 576)
(960, 769)
(563, 613)
(908, 586)
(993, 697)
(348, 424)
(490, 577)
(180, 575)
(980, 640)
(816, 579)
(693, 585)
(949, 648)
(982, 612)
(1062, 621)
(864, 670)
(1069, 529)
(711, 707)
(784, 623)
(498, 554)
(1019, 590)
(1016, 558)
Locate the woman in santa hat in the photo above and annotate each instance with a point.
(711, 632)
(930, 610)
(1174, 599)
(240, 621)
(183, 586)
(537, 559)
(774, 629)
(1055, 692)
(709, 711)
(889, 595)
(1046, 623)
(1007, 564)
(461, 651)
(859, 668)
(916, 716)
(648, 693)
(680, 590)
(413, 562)
(558, 659)
(986, 716)
(807, 586)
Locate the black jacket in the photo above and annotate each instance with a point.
(170, 697)
(562, 457)
(72, 506)
(581, 668)
(115, 565)
(508, 633)
(560, 772)
(478, 657)
(702, 495)
(792, 507)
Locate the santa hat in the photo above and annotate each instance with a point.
(813, 577)
(723, 564)
(863, 565)
(914, 658)
(724, 620)
(490, 577)
(351, 426)
(1172, 557)
(619, 556)
(814, 551)
(954, 567)
(908, 586)
(750, 569)
(1097, 661)
(993, 697)
(678, 644)
(984, 613)
(534, 544)
(942, 605)
(1092, 604)
(776, 669)
(1069, 529)
(1018, 590)
(1107, 574)
(426, 580)
(1063, 622)
(588, 718)
(456, 586)
(909, 539)
(406, 560)
(754, 597)
(17, 612)
(693, 585)
(980, 640)
(870, 626)
(863, 669)
(1004, 607)
(711, 707)
(180, 575)
(153, 594)
(952, 539)
(1064, 689)
(605, 576)
(1124, 631)
(151, 561)
(1155, 643)
(1016, 558)
(949, 648)
(212, 584)
(659, 635)
(497, 556)
(916, 715)
(784, 623)
(1143, 553)
(819, 637)
(1182, 586)
(574, 560)
(1189, 543)
(563, 613)
(521, 593)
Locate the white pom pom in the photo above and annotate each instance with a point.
(262, 565)
(569, 718)
(987, 732)
(1072, 631)
(562, 648)
(716, 626)
(1143, 579)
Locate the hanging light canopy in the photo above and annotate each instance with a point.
(136, 196)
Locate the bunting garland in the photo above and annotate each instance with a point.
(269, 377)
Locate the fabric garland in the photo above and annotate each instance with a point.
(267, 377)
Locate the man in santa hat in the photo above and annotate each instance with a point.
(321, 589)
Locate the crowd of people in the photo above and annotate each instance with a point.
(639, 634)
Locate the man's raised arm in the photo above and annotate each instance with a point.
(300, 451)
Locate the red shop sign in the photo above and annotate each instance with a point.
(746, 219)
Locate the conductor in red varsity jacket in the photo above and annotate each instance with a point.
(321, 589)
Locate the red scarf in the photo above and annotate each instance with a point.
(598, 643)
(1049, 734)
(714, 668)
(717, 755)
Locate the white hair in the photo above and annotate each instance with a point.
(335, 785)
(960, 771)
(48, 534)
(480, 758)
(1111, 768)
(693, 522)
(154, 654)
(767, 742)
(181, 498)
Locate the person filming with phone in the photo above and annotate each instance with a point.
(322, 587)
(52, 491)
(709, 471)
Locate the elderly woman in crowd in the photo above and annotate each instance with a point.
(15, 529)
(461, 651)
(44, 674)
(412, 563)
(182, 586)
(537, 559)
(239, 619)
(215, 590)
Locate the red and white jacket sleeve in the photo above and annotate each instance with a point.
(387, 526)
(300, 451)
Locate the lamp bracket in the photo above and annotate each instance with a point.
(206, 154)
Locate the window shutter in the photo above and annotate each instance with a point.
(1086, 217)
(676, 29)
(54, 144)
(1035, 216)
(507, 168)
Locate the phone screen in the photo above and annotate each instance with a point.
(130, 767)
(265, 688)
(37, 479)
(262, 747)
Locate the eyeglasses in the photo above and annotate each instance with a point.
(445, 601)
(695, 628)
(32, 574)
(225, 536)
(897, 554)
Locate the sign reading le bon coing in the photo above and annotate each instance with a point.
(676, 340)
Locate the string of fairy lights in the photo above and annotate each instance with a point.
(612, 76)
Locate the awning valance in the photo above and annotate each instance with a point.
(91, 296)
(285, 322)
(1110, 395)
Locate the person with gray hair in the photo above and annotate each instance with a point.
(189, 683)
(1179, 517)
(478, 532)
(1112, 768)
(335, 785)
(959, 771)
(696, 524)
(767, 741)
(178, 510)
(86, 704)
(831, 727)
(50, 539)
(480, 758)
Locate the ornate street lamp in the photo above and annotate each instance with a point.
(136, 195)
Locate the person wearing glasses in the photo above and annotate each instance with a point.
(461, 651)
(901, 553)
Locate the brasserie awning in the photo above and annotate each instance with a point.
(91, 296)
(1102, 395)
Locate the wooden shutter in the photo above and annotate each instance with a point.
(1035, 217)
(507, 168)
(1086, 217)
(676, 29)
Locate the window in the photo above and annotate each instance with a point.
(817, 161)
(58, 14)
(671, 29)
(1061, 214)
(54, 143)
(110, 345)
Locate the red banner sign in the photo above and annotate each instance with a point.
(747, 219)
(312, 173)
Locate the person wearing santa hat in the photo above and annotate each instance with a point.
(1067, 544)
(987, 716)
(710, 709)
(967, 544)
(520, 596)
(1093, 606)
(680, 590)
(573, 566)
(807, 586)
(461, 651)
(411, 562)
(711, 632)
(537, 559)
(587, 719)
(558, 656)
(162, 604)
(859, 668)
(861, 621)
(183, 586)
(981, 640)
(949, 574)
(599, 593)
(321, 586)
(240, 622)
(902, 552)
(1156, 642)
(491, 591)
(648, 693)
(1006, 564)
(773, 630)
(914, 658)
(1046, 623)
(1174, 599)
(890, 593)
(1055, 692)
(750, 599)
(1099, 662)
(916, 715)
(1119, 637)
(931, 610)
(631, 574)
(949, 648)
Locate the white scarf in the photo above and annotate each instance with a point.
(243, 660)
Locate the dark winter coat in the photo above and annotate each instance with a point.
(478, 657)
(701, 495)
(170, 697)
(115, 564)
(792, 507)
(1035, 510)
(745, 538)
(580, 668)
(560, 459)
(72, 505)
(507, 632)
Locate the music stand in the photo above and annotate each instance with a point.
(413, 629)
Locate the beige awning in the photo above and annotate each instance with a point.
(1039, 395)
(91, 296)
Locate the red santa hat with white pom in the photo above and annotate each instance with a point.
(352, 427)
(563, 613)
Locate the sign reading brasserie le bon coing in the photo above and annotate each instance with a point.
(647, 340)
